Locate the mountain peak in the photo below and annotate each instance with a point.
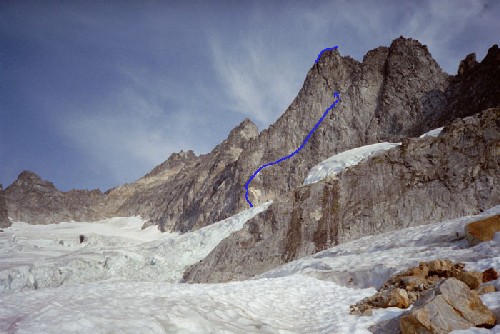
(182, 156)
(493, 55)
(27, 175)
(411, 48)
(245, 131)
(174, 160)
(29, 179)
(467, 64)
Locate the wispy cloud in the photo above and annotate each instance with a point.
(123, 86)
(258, 80)
(132, 132)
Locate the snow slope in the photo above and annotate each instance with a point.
(35, 256)
(310, 295)
(337, 163)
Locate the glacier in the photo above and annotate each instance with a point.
(318, 288)
(36, 256)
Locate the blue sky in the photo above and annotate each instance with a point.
(94, 94)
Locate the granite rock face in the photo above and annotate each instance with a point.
(422, 181)
(395, 92)
(4, 216)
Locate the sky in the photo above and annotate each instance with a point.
(94, 94)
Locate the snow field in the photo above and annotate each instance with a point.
(285, 305)
(310, 295)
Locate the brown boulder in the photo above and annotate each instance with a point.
(440, 267)
(451, 305)
(486, 289)
(397, 298)
(404, 288)
(472, 278)
(482, 230)
(489, 275)
(392, 297)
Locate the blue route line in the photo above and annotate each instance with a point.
(337, 100)
(319, 56)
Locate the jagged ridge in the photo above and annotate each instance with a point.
(393, 93)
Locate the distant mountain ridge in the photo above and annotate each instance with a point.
(395, 92)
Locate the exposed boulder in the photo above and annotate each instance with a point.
(451, 305)
(482, 230)
(490, 275)
(471, 278)
(487, 288)
(442, 267)
(405, 288)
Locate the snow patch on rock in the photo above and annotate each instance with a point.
(341, 161)
(432, 133)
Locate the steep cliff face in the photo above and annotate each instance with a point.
(422, 181)
(384, 98)
(4, 217)
(395, 92)
(475, 88)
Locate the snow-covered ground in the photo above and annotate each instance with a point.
(310, 295)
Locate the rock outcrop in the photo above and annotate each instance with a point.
(32, 199)
(395, 92)
(475, 88)
(483, 230)
(421, 181)
(4, 216)
(407, 287)
(451, 305)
